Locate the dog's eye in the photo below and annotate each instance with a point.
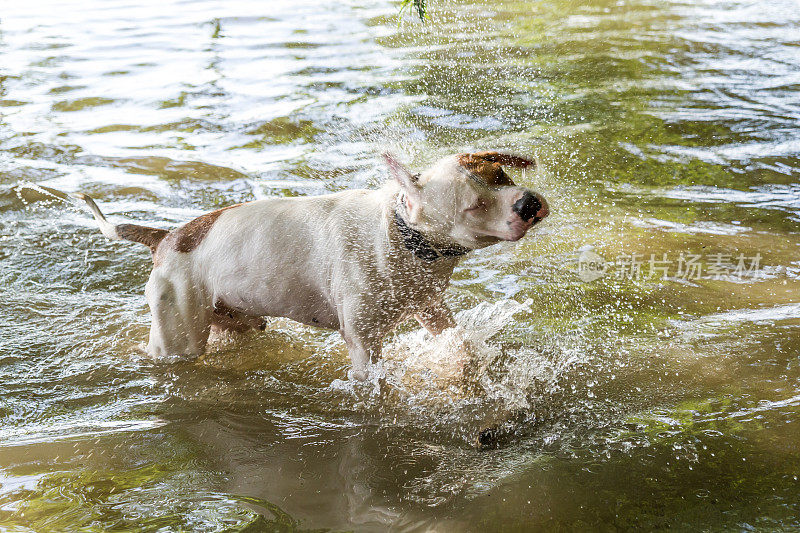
(477, 206)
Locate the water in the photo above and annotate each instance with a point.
(661, 128)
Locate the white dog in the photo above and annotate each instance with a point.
(359, 261)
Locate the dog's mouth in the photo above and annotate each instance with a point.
(518, 228)
(515, 232)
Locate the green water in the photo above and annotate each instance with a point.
(637, 401)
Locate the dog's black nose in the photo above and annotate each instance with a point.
(527, 206)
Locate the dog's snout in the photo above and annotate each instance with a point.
(529, 206)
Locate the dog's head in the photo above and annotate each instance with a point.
(468, 199)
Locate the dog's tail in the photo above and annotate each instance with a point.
(129, 232)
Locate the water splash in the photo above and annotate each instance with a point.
(457, 353)
(467, 372)
(27, 193)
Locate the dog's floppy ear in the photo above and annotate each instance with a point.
(506, 159)
(409, 183)
(402, 175)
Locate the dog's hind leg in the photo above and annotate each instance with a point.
(181, 317)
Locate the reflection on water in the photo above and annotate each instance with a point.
(662, 128)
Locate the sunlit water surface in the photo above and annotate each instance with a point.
(661, 128)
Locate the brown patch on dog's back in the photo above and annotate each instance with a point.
(190, 235)
(488, 166)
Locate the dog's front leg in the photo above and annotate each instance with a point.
(362, 351)
(363, 331)
(436, 318)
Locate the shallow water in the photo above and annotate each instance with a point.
(636, 401)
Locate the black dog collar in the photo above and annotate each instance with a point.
(416, 242)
